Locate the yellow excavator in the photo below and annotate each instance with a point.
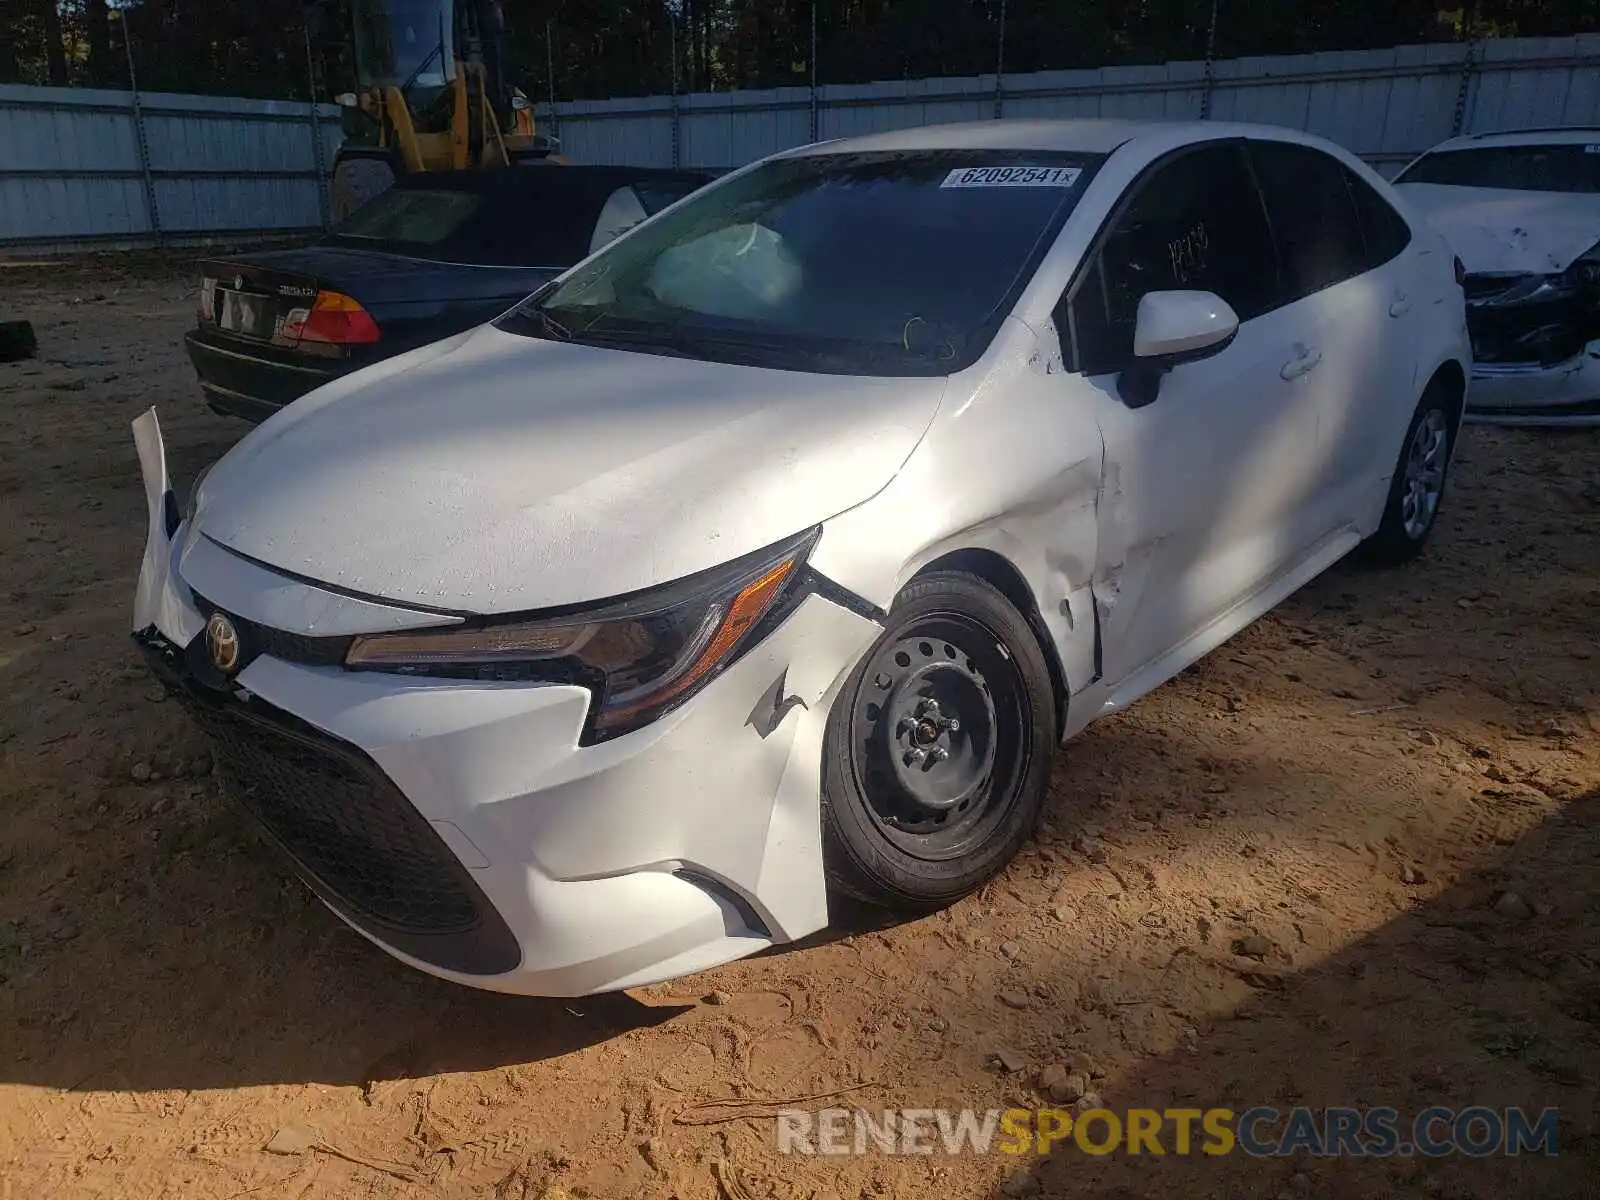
(431, 94)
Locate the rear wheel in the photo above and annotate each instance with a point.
(1417, 489)
(358, 180)
(938, 749)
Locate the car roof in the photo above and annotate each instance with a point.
(1562, 136)
(1066, 136)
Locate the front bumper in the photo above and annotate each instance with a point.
(1566, 393)
(460, 825)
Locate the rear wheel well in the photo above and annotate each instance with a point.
(1450, 381)
(1002, 573)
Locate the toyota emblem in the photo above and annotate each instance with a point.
(222, 640)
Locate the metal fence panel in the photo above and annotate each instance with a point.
(72, 172)
(1386, 105)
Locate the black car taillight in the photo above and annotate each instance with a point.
(333, 317)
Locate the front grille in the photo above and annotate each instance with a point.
(347, 829)
(1527, 320)
(1484, 287)
(355, 833)
(255, 638)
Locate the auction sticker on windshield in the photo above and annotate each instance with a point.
(1063, 177)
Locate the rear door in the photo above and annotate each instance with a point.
(1348, 321)
(1415, 277)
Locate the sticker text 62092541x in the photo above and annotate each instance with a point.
(968, 177)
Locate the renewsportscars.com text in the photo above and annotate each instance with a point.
(1475, 1132)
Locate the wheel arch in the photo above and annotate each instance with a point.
(999, 571)
(1450, 378)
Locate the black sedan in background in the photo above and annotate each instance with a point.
(438, 253)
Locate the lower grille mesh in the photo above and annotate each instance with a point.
(345, 824)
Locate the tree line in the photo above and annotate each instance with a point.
(580, 49)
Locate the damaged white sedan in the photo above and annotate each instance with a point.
(769, 553)
(1522, 211)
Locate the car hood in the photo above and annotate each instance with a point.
(493, 473)
(1494, 230)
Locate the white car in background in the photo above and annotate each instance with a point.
(1522, 211)
(769, 552)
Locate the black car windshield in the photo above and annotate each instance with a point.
(1573, 167)
(890, 263)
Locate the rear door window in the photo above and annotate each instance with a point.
(1195, 223)
(1385, 231)
(1314, 222)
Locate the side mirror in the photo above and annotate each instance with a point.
(1174, 328)
(346, 100)
(521, 103)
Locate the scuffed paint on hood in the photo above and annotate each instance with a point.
(1495, 230)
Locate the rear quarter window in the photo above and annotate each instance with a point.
(1384, 230)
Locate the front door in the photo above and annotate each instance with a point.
(1204, 490)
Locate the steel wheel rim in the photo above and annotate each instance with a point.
(939, 736)
(1422, 482)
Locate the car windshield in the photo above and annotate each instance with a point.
(874, 263)
(1560, 168)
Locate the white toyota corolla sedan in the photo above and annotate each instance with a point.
(768, 553)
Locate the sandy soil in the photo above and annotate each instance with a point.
(1354, 781)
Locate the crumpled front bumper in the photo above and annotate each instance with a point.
(1536, 350)
(1567, 393)
(467, 832)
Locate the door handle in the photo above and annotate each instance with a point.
(1400, 307)
(1297, 367)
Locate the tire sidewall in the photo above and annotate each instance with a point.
(860, 860)
(1392, 542)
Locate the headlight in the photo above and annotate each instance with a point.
(642, 656)
(1585, 272)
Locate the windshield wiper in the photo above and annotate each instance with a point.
(552, 326)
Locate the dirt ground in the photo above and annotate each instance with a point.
(1345, 791)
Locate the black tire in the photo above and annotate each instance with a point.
(955, 636)
(357, 180)
(1399, 537)
(17, 341)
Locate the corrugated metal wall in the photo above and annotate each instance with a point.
(1386, 105)
(73, 170)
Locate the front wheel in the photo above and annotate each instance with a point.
(938, 748)
(1417, 489)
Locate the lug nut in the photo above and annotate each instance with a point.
(930, 708)
(953, 725)
(939, 754)
(914, 756)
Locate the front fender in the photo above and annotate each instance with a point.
(1011, 465)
